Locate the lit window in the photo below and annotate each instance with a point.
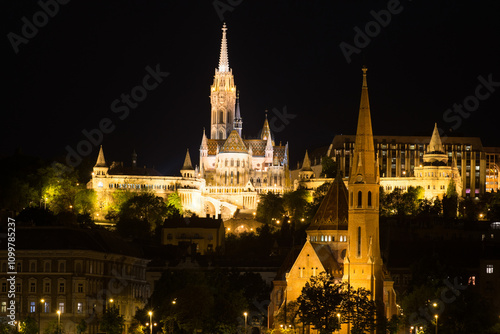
(489, 269)
(46, 307)
(61, 307)
(32, 307)
(79, 307)
(472, 280)
(4, 307)
(100, 185)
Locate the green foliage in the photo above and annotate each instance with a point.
(212, 301)
(81, 327)
(174, 204)
(328, 167)
(270, 208)
(141, 214)
(289, 315)
(408, 203)
(112, 322)
(295, 202)
(317, 198)
(53, 328)
(5, 328)
(29, 326)
(320, 301)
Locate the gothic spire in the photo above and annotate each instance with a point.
(364, 168)
(223, 60)
(238, 113)
(101, 162)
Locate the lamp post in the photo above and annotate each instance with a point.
(150, 322)
(42, 301)
(338, 317)
(436, 316)
(59, 321)
(245, 314)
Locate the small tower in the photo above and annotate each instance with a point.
(306, 171)
(101, 168)
(269, 150)
(187, 169)
(238, 121)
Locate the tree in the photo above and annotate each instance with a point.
(81, 327)
(450, 201)
(289, 315)
(53, 327)
(295, 202)
(270, 208)
(29, 326)
(359, 310)
(320, 301)
(328, 167)
(174, 205)
(112, 322)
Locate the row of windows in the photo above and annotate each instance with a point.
(327, 238)
(140, 186)
(359, 202)
(232, 163)
(314, 271)
(47, 266)
(32, 307)
(47, 287)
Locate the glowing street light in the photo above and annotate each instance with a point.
(58, 321)
(150, 322)
(42, 301)
(245, 314)
(338, 317)
(436, 316)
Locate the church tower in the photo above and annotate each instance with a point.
(363, 263)
(222, 95)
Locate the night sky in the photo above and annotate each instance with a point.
(64, 79)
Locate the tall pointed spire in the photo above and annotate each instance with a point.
(364, 166)
(306, 164)
(435, 152)
(101, 162)
(223, 59)
(266, 130)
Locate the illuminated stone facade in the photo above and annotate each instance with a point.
(343, 237)
(232, 172)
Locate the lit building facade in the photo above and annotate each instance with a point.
(78, 272)
(232, 171)
(343, 237)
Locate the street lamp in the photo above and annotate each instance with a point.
(338, 317)
(42, 301)
(245, 314)
(436, 316)
(150, 322)
(58, 321)
(411, 330)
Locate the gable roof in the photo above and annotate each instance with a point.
(234, 144)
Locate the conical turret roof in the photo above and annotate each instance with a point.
(101, 162)
(306, 164)
(187, 162)
(435, 146)
(333, 211)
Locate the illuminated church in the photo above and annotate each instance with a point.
(343, 237)
(233, 170)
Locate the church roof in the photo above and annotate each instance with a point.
(333, 211)
(117, 168)
(187, 162)
(234, 144)
(266, 130)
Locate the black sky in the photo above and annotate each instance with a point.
(283, 53)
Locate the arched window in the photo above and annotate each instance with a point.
(352, 199)
(237, 177)
(221, 117)
(226, 163)
(232, 162)
(359, 241)
(369, 198)
(360, 197)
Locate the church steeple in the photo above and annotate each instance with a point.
(363, 261)
(223, 58)
(101, 167)
(101, 162)
(306, 171)
(187, 168)
(222, 95)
